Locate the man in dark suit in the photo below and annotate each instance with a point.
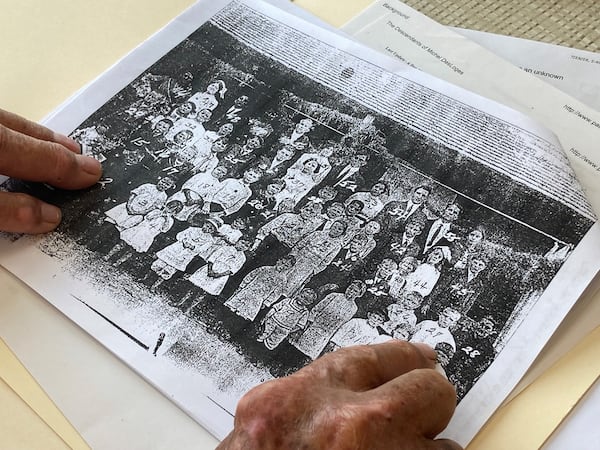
(460, 288)
(474, 353)
(396, 213)
(405, 243)
(236, 114)
(277, 166)
(440, 230)
(348, 176)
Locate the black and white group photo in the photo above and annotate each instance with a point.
(285, 220)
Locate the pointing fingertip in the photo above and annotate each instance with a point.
(440, 369)
(71, 144)
(426, 351)
(90, 165)
(50, 214)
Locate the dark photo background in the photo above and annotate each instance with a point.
(521, 224)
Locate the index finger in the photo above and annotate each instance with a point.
(33, 129)
(422, 400)
(29, 158)
(365, 367)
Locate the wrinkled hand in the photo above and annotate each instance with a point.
(383, 396)
(31, 152)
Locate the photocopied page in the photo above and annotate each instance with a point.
(394, 28)
(574, 72)
(273, 191)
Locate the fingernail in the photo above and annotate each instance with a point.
(427, 351)
(439, 369)
(89, 165)
(67, 142)
(50, 214)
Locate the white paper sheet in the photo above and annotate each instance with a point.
(575, 72)
(413, 128)
(400, 31)
(486, 73)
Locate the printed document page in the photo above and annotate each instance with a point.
(393, 27)
(402, 32)
(575, 72)
(273, 191)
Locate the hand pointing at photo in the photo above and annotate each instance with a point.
(384, 396)
(31, 152)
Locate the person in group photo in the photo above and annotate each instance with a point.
(424, 278)
(140, 237)
(210, 98)
(396, 213)
(260, 288)
(283, 220)
(440, 230)
(141, 201)
(289, 315)
(326, 317)
(358, 331)
(194, 241)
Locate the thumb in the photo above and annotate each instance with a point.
(21, 213)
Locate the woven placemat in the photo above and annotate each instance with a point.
(573, 23)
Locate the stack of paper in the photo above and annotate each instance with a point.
(29, 418)
(396, 28)
(253, 159)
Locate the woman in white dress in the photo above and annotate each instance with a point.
(427, 274)
(157, 221)
(223, 263)
(142, 200)
(208, 99)
(300, 180)
(141, 236)
(232, 193)
(261, 287)
(327, 317)
(191, 242)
